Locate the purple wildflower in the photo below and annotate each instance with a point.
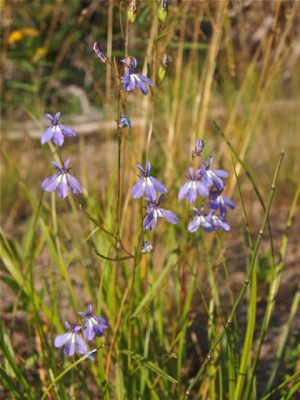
(154, 211)
(71, 340)
(62, 181)
(124, 121)
(200, 219)
(97, 49)
(218, 221)
(93, 326)
(147, 247)
(147, 184)
(220, 202)
(193, 187)
(198, 148)
(130, 80)
(56, 131)
(213, 177)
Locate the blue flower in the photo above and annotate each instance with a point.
(193, 186)
(131, 80)
(154, 211)
(56, 131)
(147, 184)
(62, 181)
(124, 121)
(200, 219)
(218, 221)
(210, 222)
(147, 247)
(213, 177)
(93, 326)
(71, 340)
(220, 202)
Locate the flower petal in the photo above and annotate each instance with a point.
(88, 330)
(138, 189)
(150, 220)
(207, 180)
(228, 202)
(191, 195)
(74, 184)
(49, 116)
(141, 169)
(67, 131)
(66, 164)
(148, 168)
(149, 189)
(221, 173)
(50, 184)
(60, 340)
(202, 189)
(133, 62)
(57, 115)
(128, 82)
(58, 137)
(55, 165)
(145, 79)
(101, 326)
(158, 185)
(140, 85)
(194, 225)
(47, 135)
(81, 346)
(183, 190)
(69, 349)
(62, 189)
(169, 216)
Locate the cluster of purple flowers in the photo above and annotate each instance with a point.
(73, 341)
(149, 186)
(207, 183)
(62, 181)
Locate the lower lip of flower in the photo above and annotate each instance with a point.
(159, 214)
(56, 128)
(62, 178)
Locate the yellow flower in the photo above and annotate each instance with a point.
(18, 35)
(39, 53)
(15, 36)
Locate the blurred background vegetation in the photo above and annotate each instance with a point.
(233, 62)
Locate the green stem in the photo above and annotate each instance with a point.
(273, 290)
(61, 264)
